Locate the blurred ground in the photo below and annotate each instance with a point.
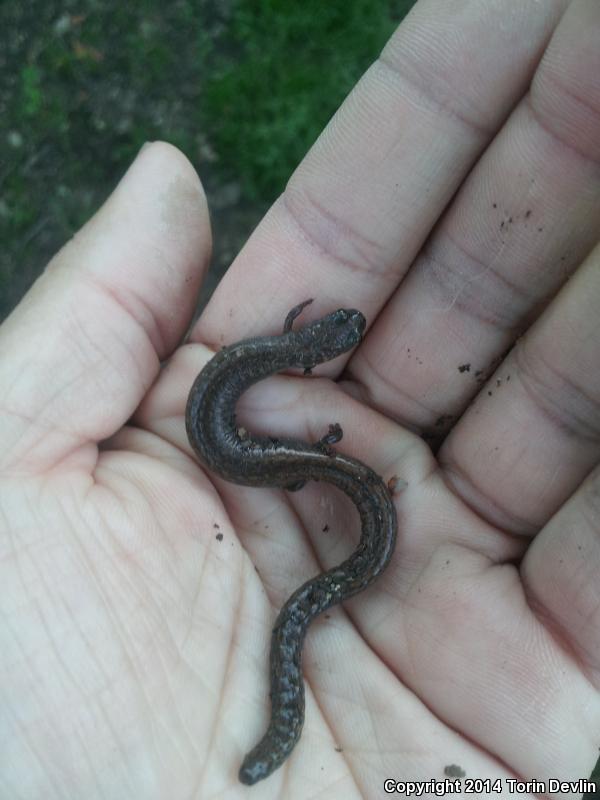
(243, 87)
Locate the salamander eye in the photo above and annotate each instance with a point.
(341, 316)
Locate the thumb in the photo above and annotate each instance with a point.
(79, 352)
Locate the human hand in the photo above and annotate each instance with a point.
(138, 592)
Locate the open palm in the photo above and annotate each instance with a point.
(450, 200)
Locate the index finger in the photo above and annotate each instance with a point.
(366, 196)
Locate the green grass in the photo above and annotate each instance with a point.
(251, 82)
(295, 64)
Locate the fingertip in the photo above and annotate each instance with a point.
(150, 243)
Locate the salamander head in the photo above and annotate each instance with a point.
(333, 335)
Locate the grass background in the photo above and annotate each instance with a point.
(243, 87)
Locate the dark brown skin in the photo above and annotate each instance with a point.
(289, 463)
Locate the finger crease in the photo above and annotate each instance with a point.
(367, 252)
(544, 124)
(558, 397)
(488, 295)
(429, 98)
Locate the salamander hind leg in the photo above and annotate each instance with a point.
(333, 436)
(294, 487)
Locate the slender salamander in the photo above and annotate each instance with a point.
(288, 463)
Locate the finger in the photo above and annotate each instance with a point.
(533, 434)
(560, 574)
(365, 198)
(520, 225)
(84, 345)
